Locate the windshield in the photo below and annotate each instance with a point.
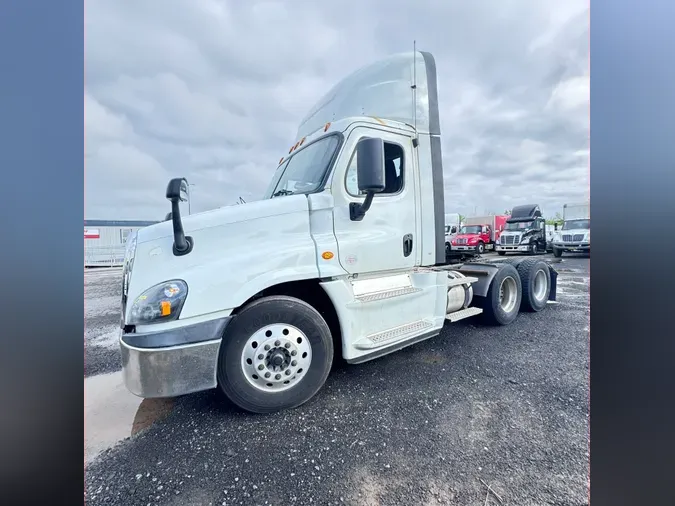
(473, 229)
(572, 224)
(305, 170)
(518, 226)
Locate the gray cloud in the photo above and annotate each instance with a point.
(214, 91)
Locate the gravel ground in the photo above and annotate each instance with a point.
(102, 293)
(508, 406)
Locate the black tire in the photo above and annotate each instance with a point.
(557, 252)
(448, 248)
(268, 311)
(493, 313)
(532, 248)
(501, 253)
(480, 248)
(528, 270)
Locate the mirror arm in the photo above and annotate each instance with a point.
(181, 244)
(357, 211)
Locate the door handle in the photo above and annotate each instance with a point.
(407, 244)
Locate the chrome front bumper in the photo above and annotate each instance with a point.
(522, 247)
(172, 362)
(572, 247)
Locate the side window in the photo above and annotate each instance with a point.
(393, 171)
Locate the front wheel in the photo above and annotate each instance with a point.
(557, 252)
(480, 249)
(532, 249)
(501, 253)
(275, 355)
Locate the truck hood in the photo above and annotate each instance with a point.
(238, 251)
(227, 215)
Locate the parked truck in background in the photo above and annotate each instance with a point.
(479, 233)
(575, 235)
(452, 225)
(524, 232)
(344, 257)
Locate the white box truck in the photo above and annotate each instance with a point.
(575, 235)
(344, 257)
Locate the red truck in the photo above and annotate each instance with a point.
(479, 233)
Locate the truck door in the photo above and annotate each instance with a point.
(387, 238)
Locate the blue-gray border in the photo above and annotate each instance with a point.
(42, 165)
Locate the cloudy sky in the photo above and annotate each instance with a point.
(213, 90)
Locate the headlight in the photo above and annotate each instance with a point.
(161, 303)
(588, 236)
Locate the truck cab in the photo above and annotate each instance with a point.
(472, 238)
(575, 235)
(524, 232)
(452, 226)
(344, 256)
(479, 233)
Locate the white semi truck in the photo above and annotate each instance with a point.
(575, 236)
(344, 257)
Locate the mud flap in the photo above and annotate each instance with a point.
(554, 283)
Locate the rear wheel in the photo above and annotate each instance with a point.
(535, 278)
(275, 355)
(502, 302)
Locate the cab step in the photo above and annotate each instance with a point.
(387, 294)
(463, 313)
(392, 335)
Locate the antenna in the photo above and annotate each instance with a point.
(414, 88)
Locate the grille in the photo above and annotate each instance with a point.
(573, 238)
(508, 239)
(461, 241)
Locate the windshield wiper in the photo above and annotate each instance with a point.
(282, 192)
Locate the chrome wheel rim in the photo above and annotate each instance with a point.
(276, 357)
(540, 285)
(508, 294)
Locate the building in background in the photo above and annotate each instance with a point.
(105, 240)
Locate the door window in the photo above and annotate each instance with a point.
(393, 171)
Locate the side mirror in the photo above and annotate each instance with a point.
(177, 190)
(370, 165)
(370, 174)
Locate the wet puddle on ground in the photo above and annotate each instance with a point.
(112, 413)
